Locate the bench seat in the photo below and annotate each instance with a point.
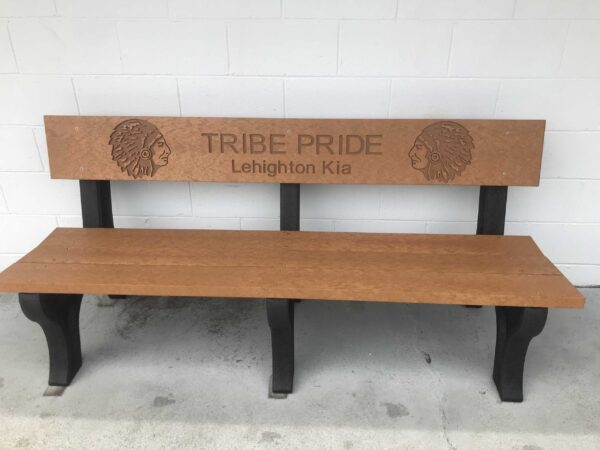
(412, 268)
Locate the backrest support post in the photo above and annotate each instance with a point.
(96, 204)
(289, 207)
(492, 209)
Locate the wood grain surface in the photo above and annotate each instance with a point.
(350, 151)
(412, 268)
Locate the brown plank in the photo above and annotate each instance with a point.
(350, 151)
(144, 262)
(304, 283)
(485, 254)
(342, 261)
(194, 241)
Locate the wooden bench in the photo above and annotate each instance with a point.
(509, 272)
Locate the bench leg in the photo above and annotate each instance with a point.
(516, 327)
(58, 315)
(280, 314)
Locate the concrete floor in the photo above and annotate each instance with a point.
(169, 373)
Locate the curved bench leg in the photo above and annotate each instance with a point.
(516, 327)
(280, 314)
(58, 315)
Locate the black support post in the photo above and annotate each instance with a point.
(492, 209)
(289, 207)
(96, 204)
(58, 315)
(516, 327)
(280, 312)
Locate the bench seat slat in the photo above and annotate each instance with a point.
(212, 248)
(489, 270)
(251, 282)
(343, 260)
(190, 242)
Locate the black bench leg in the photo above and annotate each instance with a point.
(58, 315)
(516, 327)
(280, 314)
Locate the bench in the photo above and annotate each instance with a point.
(508, 272)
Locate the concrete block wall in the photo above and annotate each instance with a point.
(307, 58)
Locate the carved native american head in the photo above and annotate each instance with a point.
(442, 151)
(139, 148)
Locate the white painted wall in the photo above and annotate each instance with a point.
(307, 58)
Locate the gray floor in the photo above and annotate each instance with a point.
(167, 373)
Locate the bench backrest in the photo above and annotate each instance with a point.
(493, 154)
(325, 151)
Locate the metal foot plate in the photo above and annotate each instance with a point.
(275, 394)
(55, 391)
